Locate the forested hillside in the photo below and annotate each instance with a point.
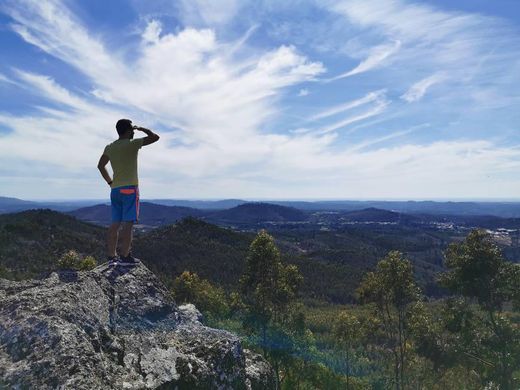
(31, 242)
(331, 261)
(215, 253)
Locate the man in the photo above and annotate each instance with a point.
(124, 195)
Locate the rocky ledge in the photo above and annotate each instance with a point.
(115, 329)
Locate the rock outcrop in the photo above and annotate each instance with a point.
(115, 329)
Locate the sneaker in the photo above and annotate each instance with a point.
(128, 260)
(113, 261)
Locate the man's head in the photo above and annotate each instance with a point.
(124, 128)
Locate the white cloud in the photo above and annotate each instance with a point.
(4, 78)
(50, 26)
(387, 137)
(417, 90)
(376, 58)
(404, 20)
(48, 88)
(303, 92)
(378, 108)
(7, 80)
(209, 12)
(152, 32)
(370, 97)
(470, 50)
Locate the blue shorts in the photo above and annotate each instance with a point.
(125, 204)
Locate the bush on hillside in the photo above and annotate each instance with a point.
(190, 288)
(72, 260)
(87, 264)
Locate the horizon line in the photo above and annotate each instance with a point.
(452, 199)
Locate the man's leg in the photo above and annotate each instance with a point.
(112, 238)
(126, 238)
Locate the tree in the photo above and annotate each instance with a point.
(270, 290)
(478, 272)
(439, 330)
(393, 291)
(347, 331)
(211, 300)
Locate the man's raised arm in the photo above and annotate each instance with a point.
(150, 138)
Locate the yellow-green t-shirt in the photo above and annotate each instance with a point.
(123, 158)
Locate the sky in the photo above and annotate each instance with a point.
(264, 99)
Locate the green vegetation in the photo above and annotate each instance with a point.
(69, 260)
(211, 300)
(393, 339)
(212, 252)
(32, 242)
(332, 262)
(72, 260)
(87, 264)
(477, 272)
(348, 332)
(269, 290)
(395, 295)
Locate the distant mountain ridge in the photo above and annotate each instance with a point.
(155, 215)
(10, 205)
(201, 204)
(494, 208)
(372, 214)
(149, 214)
(250, 213)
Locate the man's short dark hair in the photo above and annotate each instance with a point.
(123, 125)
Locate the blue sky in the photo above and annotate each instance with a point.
(347, 99)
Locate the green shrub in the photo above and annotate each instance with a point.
(69, 260)
(189, 287)
(73, 260)
(87, 264)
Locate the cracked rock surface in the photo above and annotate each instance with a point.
(115, 329)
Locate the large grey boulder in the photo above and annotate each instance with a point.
(115, 329)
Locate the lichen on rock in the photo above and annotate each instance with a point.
(115, 329)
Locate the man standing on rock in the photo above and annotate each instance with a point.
(124, 195)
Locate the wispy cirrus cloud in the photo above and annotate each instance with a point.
(376, 100)
(47, 87)
(418, 89)
(368, 98)
(208, 12)
(376, 57)
(435, 45)
(387, 137)
(377, 109)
